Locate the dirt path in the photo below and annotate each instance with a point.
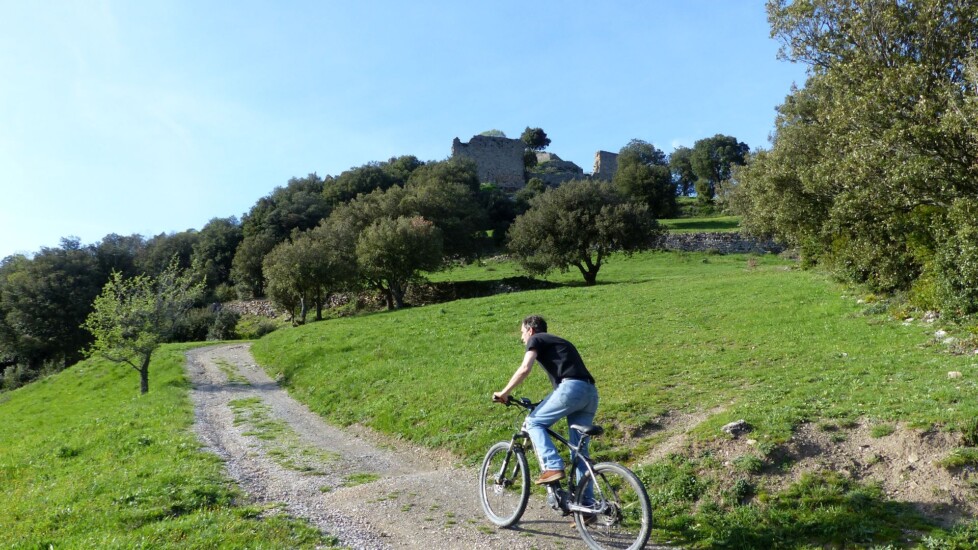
(368, 492)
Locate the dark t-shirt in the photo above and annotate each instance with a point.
(559, 358)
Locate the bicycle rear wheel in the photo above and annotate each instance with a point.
(504, 484)
(624, 517)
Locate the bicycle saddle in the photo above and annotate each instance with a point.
(588, 430)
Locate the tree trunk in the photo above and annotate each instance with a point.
(302, 310)
(144, 375)
(589, 273)
(397, 293)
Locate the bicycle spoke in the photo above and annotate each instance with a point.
(625, 517)
(504, 485)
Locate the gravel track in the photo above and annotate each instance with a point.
(407, 497)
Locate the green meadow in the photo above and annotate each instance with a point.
(85, 462)
(727, 337)
(721, 224)
(750, 337)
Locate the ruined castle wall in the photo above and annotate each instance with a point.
(605, 165)
(554, 171)
(499, 160)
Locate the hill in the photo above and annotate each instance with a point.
(682, 344)
(855, 433)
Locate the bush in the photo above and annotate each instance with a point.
(194, 326)
(223, 327)
(253, 327)
(225, 293)
(957, 259)
(14, 377)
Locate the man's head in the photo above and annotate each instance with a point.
(532, 325)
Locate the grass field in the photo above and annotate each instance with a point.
(751, 337)
(743, 337)
(722, 224)
(85, 462)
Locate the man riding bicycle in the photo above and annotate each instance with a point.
(574, 396)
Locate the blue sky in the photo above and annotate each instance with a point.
(149, 117)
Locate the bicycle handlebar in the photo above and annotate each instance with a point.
(523, 402)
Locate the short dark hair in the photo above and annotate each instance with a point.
(537, 323)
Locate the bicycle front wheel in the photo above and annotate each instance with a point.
(623, 513)
(504, 484)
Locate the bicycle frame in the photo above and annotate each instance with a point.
(575, 457)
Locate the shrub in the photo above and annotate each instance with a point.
(225, 293)
(14, 377)
(252, 327)
(223, 327)
(957, 259)
(194, 326)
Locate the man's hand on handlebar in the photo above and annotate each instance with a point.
(500, 397)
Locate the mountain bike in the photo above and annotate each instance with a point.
(620, 515)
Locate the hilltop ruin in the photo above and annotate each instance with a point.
(499, 160)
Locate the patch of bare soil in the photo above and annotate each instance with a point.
(905, 463)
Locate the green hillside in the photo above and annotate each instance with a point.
(87, 463)
(661, 332)
(722, 337)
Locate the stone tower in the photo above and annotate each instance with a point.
(605, 165)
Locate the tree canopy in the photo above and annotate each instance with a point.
(535, 139)
(132, 317)
(874, 163)
(643, 174)
(681, 165)
(711, 160)
(301, 205)
(43, 302)
(391, 253)
(579, 224)
(304, 270)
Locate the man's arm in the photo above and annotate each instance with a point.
(518, 377)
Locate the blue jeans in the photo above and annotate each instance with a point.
(575, 400)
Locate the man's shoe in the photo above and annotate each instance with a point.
(549, 476)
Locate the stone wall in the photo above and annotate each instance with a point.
(724, 243)
(499, 160)
(605, 165)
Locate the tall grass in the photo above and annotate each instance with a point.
(85, 462)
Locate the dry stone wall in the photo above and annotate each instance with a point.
(724, 243)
